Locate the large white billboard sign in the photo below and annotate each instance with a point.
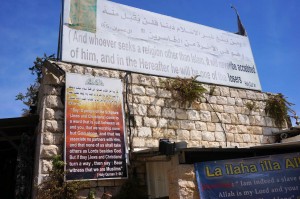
(106, 34)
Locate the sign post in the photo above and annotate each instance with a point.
(110, 35)
(274, 176)
(94, 126)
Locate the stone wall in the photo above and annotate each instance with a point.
(182, 181)
(221, 118)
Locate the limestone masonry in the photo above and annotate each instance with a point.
(220, 119)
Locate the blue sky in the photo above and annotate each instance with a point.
(30, 29)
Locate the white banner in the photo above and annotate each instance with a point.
(106, 34)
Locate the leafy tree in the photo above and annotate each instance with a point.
(278, 108)
(54, 186)
(30, 97)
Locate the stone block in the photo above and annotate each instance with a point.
(242, 129)
(193, 143)
(205, 107)
(215, 117)
(144, 132)
(231, 128)
(157, 101)
(47, 138)
(221, 100)
(213, 145)
(219, 127)
(155, 81)
(186, 184)
(151, 143)
(158, 133)
(225, 91)
(239, 102)
(168, 113)
(230, 137)
(172, 103)
(218, 108)
(46, 166)
(140, 109)
(208, 136)
(87, 71)
(211, 126)
(150, 122)
(169, 133)
(183, 134)
(64, 66)
(234, 93)
(231, 101)
(135, 78)
(205, 116)
(53, 101)
(49, 114)
(187, 124)
(48, 151)
(181, 114)
(103, 73)
(246, 138)
(229, 109)
(212, 99)
(138, 120)
(214, 90)
(173, 124)
(242, 94)
(162, 123)
(141, 99)
(238, 138)
(138, 90)
(220, 136)
(114, 74)
(260, 96)
(196, 135)
(53, 126)
(51, 90)
(226, 118)
(251, 95)
(138, 142)
(256, 138)
(243, 119)
(234, 119)
(77, 69)
(195, 105)
(150, 91)
(200, 126)
(50, 79)
(193, 115)
(164, 93)
(257, 120)
(145, 80)
(257, 130)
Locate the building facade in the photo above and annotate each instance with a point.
(221, 119)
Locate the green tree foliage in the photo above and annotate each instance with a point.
(278, 108)
(30, 97)
(54, 186)
(188, 89)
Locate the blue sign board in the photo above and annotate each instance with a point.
(261, 177)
